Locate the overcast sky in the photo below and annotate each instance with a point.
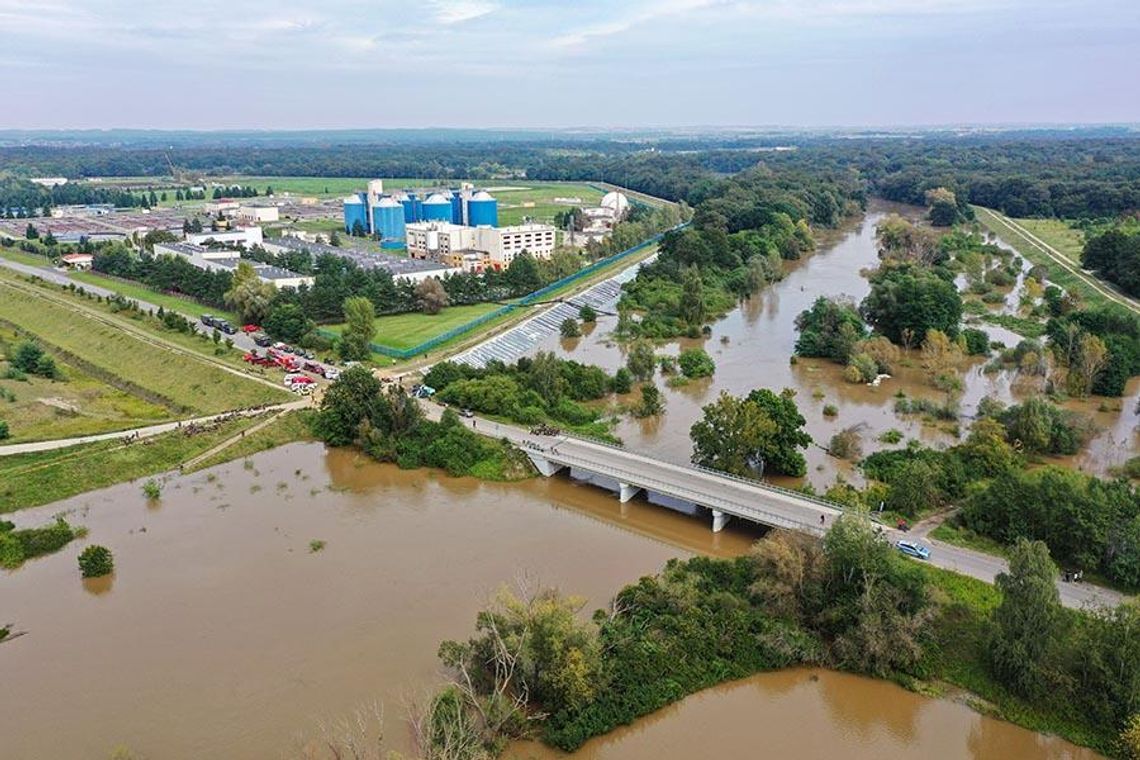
(287, 64)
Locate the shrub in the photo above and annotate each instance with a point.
(152, 489)
(622, 381)
(865, 369)
(316, 545)
(846, 444)
(570, 329)
(976, 342)
(587, 313)
(830, 410)
(891, 436)
(694, 362)
(96, 561)
(4, 433)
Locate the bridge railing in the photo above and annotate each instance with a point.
(790, 492)
(709, 501)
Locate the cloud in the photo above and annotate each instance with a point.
(623, 23)
(458, 11)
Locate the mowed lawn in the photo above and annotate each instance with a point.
(1058, 234)
(407, 330)
(183, 381)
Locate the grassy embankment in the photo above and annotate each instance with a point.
(114, 350)
(28, 480)
(74, 404)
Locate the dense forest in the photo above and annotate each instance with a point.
(1033, 173)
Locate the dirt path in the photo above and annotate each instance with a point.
(192, 463)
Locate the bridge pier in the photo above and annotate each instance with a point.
(627, 492)
(720, 519)
(542, 464)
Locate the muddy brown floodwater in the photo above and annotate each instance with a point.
(752, 346)
(222, 635)
(803, 714)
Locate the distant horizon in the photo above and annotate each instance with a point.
(530, 64)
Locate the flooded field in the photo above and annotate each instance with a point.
(753, 344)
(223, 635)
(805, 714)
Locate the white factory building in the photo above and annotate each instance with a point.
(258, 213)
(247, 236)
(443, 240)
(221, 259)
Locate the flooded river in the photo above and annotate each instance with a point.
(806, 714)
(224, 634)
(752, 346)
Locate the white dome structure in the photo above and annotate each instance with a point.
(615, 202)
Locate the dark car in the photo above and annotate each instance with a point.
(208, 320)
(225, 326)
(262, 339)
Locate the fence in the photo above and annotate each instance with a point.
(527, 300)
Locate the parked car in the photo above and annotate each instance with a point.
(911, 549)
(331, 373)
(296, 378)
(315, 367)
(250, 329)
(261, 339)
(225, 326)
(208, 320)
(466, 413)
(307, 354)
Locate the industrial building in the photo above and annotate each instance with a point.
(413, 270)
(258, 213)
(221, 259)
(500, 245)
(386, 216)
(247, 236)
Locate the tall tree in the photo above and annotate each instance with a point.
(1028, 622)
(359, 329)
(732, 436)
(431, 296)
(248, 295)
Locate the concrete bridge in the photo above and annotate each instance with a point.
(688, 487)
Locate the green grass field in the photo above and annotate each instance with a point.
(407, 330)
(1058, 234)
(184, 381)
(27, 259)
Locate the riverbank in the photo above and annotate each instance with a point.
(849, 603)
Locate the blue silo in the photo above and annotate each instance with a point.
(355, 211)
(408, 201)
(456, 206)
(388, 216)
(437, 208)
(482, 210)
